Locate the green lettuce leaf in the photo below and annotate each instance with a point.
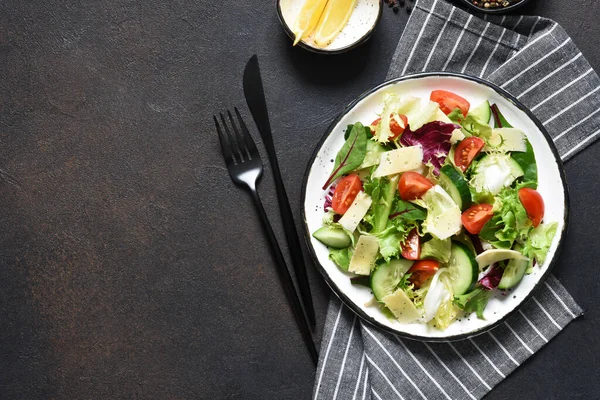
(456, 116)
(341, 257)
(509, 223)
(382, 191)
(539, 241)
(474, 301)
(436, 249)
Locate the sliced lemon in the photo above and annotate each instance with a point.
(334, 19)
(308, 18)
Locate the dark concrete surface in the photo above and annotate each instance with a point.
(130, 266)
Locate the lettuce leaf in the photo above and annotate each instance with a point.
(416, 110)
(341, 257)
(539, 241)
(447, 310)
(434, 138)
(382, 191)
(509, 223)
(474, 301)
(436, 249)
(390, 239)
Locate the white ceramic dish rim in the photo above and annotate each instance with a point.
(317, 50)
(356, 308)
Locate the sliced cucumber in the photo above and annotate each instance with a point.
(513, 273)
(494, 172)
(456, 186)
(332, 237)
(462, 268)
(387, 276)
(482, 113)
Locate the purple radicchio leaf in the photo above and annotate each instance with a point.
(329, 198)
(491, 280)
(434, 138)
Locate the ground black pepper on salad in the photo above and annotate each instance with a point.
(434, 208)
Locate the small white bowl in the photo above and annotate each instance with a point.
(359, 28)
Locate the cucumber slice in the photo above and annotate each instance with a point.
(332, 237)
(456, 186)
(482, 113)
(462, 268)
(514, 272)
(387, 276)
(494, 172)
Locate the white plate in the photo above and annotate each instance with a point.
(552, 187)
(363, 20)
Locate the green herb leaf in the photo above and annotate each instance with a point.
(351, 155)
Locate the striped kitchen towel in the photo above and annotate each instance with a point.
(535, 60)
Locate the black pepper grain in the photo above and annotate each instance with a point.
(494, 3)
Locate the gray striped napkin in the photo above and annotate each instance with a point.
(535, 60)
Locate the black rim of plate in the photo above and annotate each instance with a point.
(343, 297)
(499, 10)
(316, 50)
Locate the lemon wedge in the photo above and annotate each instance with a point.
(334, 19)
(308, 18)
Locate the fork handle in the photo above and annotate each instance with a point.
(286, 279)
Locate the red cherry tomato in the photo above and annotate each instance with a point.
(475, 217)
(411, 247)
(466, 151)
(422, 270)
(533, 203)
(398, 123)
(345, 193)
(413, 185)
(448, 101)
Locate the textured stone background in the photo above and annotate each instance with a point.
(130, 266)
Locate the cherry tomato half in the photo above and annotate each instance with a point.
(533, 203)
(466, 151)
(422, 270)
(411, 247)
(475, 217)
(448, 101)
(345, 193)
(413, 185)
(398, 123)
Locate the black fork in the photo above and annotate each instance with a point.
(245, 168)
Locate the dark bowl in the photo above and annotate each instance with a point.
(499, 10)
(317, 50)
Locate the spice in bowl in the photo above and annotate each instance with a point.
(494, 4)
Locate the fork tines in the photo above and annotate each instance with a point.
(237, 147)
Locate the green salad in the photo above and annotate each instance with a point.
(434, 207)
